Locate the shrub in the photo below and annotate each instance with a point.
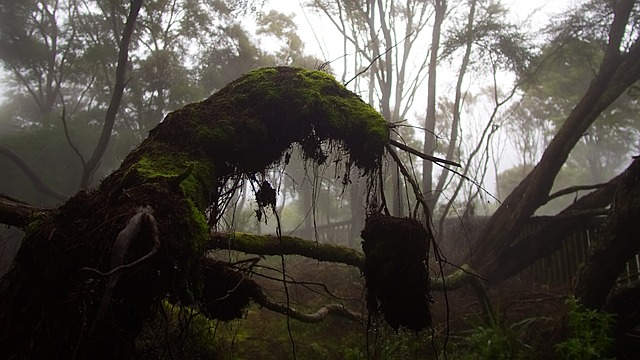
(591, 334)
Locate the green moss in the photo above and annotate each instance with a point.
(195, 178)
(35, 224)
(261, 80)
(454, 280)
(289, 245)
(200, 227)
(280, 106)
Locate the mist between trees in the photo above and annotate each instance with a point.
(461, 82)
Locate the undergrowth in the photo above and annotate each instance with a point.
(493, 338)
(591, 335)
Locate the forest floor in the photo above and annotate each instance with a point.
(514, 300)
(519, 303)
(521, 308)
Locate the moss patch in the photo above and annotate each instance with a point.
(251, 122)
(161, 163)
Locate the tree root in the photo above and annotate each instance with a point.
(143, 217)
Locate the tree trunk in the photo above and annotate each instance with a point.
(616, 243)
(554, 230)
(617, 72)
(430, 120)
(90, 167)
(90, 272)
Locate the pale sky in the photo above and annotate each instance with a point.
(322, 40)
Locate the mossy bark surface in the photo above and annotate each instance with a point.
(49, 298)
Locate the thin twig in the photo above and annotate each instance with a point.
(376, 58)
(421, 154)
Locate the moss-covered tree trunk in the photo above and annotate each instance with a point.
(74, 259)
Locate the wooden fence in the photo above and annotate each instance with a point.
(334, 233)
(558, 268)
(561, 267)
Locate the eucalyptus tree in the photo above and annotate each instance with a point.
(40, 50)
(52, 68)
(568, 68)
(488, 46)
(386, 38)
(402, 45)
(495, 252)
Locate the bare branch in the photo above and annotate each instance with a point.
(38, 184)
(573, 189)
(337, 310)
(422, 155)
(376, 58)
(270, 245)
(16, 213)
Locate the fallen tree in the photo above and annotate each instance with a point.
(91, 271)
(619, 69)
(615, 243)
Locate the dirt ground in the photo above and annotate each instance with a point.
(514, 300)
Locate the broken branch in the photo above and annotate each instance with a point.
(421, 154)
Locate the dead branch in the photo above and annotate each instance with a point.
(38, 184)
(270, 245)
(573, 189)
(337, 310)
(422, 155)
(16, 213)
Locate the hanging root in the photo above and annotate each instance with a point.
(395, 270)
(142, 217)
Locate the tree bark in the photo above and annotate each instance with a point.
(90, 167)
(616, 243)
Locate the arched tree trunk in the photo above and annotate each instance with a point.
(90, 271)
